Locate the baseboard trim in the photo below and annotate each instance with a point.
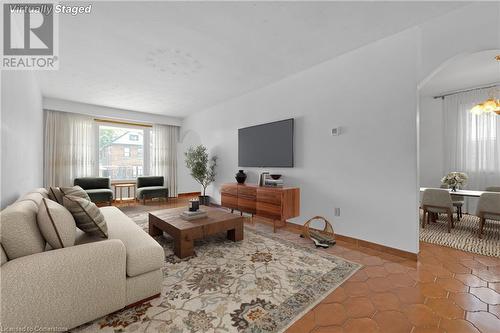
(351, 240)
(379, 247)
(363, 243)
(188, 194)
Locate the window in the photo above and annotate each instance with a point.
(120, 152)
(483, 128)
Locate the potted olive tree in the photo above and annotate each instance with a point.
(202, 169)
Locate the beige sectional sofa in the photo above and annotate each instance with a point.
(64, 288)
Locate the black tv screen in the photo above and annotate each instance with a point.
(266, 145)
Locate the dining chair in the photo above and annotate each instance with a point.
(437, 201)
(493, 189)
(458, 202)
(488, 208)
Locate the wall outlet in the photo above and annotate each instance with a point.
(336, 211)
(336, 131)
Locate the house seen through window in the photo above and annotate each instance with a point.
(121, 152)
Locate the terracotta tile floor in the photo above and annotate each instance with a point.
(446, 290)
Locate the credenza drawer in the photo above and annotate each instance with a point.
(247, 192)
(229, 201)
(229, 189)
(269, 210)
(247, 205)
(276, 203)
(269, 196)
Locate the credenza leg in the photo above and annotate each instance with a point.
(282, 224)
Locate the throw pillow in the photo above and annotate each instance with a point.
(75, 191)
(88, 216)
(56, 194)
(56, 224)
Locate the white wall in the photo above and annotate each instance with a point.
(326, 96)
(21, 137)
(370, 171)
(458, 32)
(185, 182)
(431, 142)
(107, 112)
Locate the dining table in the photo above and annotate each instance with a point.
(464, 193)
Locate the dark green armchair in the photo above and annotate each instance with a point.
(98, 188)
(149, 187)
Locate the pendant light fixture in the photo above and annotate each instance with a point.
(492, 104)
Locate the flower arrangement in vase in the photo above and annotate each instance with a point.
(455, 180)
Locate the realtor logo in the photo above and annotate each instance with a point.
(29, 36)
(36, 22)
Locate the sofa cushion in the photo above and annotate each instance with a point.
(20, 235)
(87, 215)
(144, 254)
(56, 224)
(33, 196)
(56, 194)
(152, 192)
(75, 191)
(43, 191)
(99, 195)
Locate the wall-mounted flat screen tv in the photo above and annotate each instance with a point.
(266, 145)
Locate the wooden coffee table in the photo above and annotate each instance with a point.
(185, 232)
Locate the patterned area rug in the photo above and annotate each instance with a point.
(464, 235)
(261, 284)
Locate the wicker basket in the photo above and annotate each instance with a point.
(326, 235)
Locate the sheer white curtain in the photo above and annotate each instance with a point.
(472, 142)
(164, 155)
(70, 148)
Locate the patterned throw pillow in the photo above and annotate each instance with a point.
(87, 215)
(75, 191)
(56, 224)
(56, 195)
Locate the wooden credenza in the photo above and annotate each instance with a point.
(276, 203)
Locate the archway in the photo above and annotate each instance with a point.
(460, 75)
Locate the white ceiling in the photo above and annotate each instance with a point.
(467, 71)
(175, 58)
